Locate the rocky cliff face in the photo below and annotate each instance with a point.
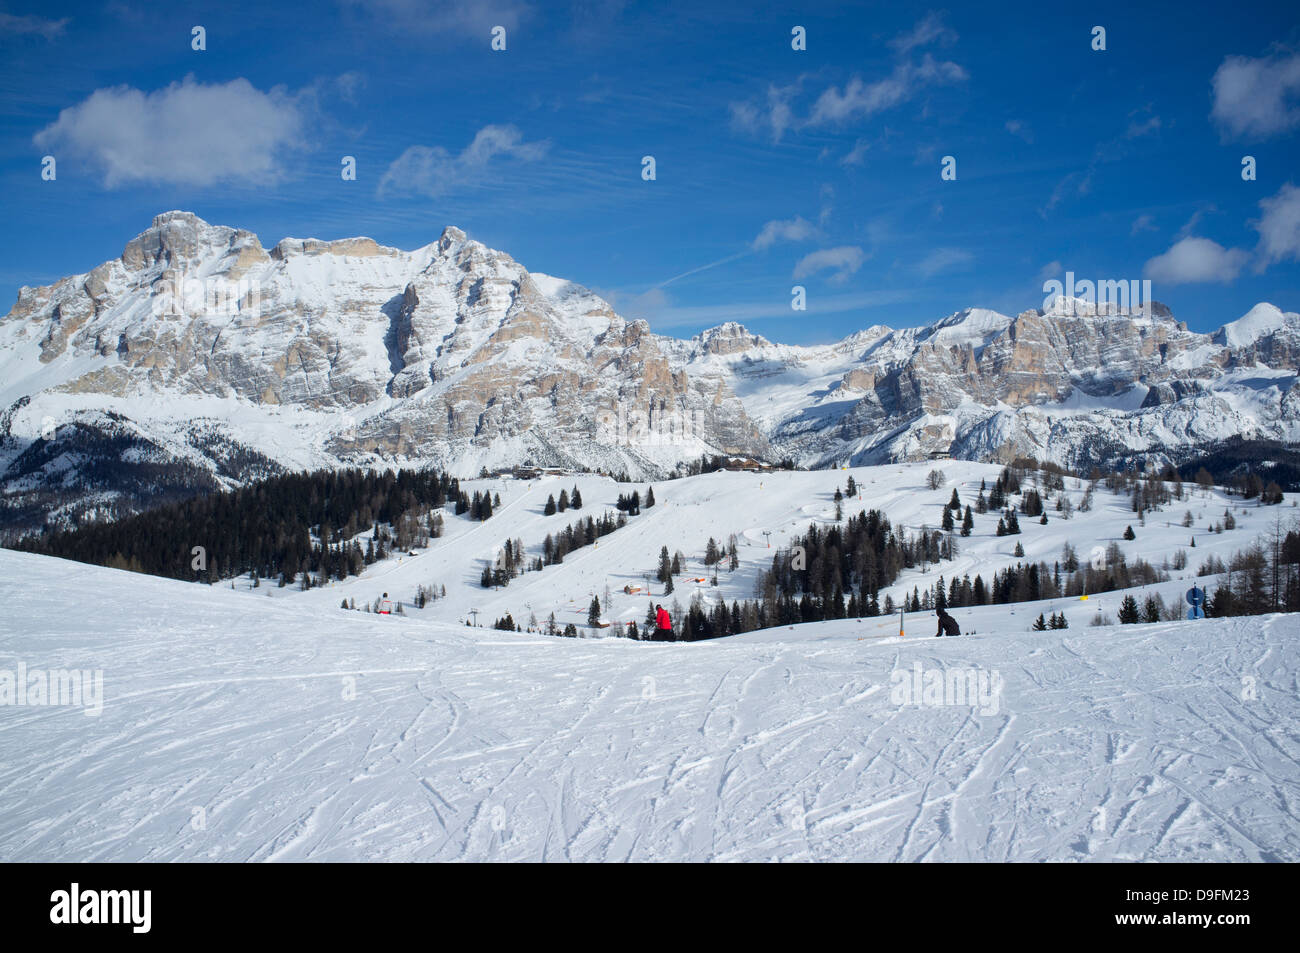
(318, 353)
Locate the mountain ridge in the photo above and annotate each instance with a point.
(346, 351)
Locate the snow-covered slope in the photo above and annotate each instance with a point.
(251, 729)
(201, 349)
(766, 512)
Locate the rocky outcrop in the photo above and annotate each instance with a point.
(342, 351)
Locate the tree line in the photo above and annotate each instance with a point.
(294, 525)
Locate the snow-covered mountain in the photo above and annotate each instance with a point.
(199, 358)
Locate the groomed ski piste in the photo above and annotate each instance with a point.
(269, 724)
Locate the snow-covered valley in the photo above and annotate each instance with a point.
(269, 724)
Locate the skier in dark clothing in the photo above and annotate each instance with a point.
(947, 625)
(663, 625)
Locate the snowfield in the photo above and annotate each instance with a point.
(241, 728)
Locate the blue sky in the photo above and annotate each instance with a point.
(774, 167)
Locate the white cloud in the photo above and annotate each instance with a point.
(1279, 228)
(1255, 98)
(1194, 261)
(862, 100)
(944, 259)
(845, 260)
(797, 229)
(189, 133)
(9, 23)
(432, 170)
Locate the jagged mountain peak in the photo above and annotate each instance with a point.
(348, 351)
(728, 338)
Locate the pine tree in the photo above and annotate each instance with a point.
(665, 574)
(946, 523)
(550, 506)
(954, 503)
(564, 501)
(649, 497)
(968, 522)
(1040, 624)
(593, 613)
(1020, 550)
(1128, 533)
(575, 498)
(1128, 611)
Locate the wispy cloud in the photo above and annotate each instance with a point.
(944, 259)
(32, 24)
(1049, 271)
(1079, 182)
(1192, 223)
(770, 117)
(930, 29)
(1020, 130)
(696, 271)
(433, 171)
(1143, 223)
(774, 114)
(465, 17)
(797, 229)
(189, 133)
(843, 260)
(861, 100)
(857, 155)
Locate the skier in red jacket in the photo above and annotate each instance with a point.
(663, 624)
